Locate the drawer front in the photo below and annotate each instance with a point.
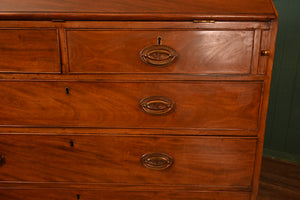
(29, 51)
(189, 160)
(195, 52)
(61, 194)
(208, 105)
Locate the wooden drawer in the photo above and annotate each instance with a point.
(71, 194)
(198, 52)
(188, 160)
(199, 104)
(29, 51)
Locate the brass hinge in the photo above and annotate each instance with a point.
(204, 21)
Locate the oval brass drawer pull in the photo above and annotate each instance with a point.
(158, 55)
(2, 160)
(157, 105)
(157, 161)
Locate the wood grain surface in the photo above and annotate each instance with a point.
(51, 194)
(221, 25)
(29, 50)
(207, 161)
(188, 6)
(264, 109)
(199, 52)
(265, 45)
(137, 9)
(72, 81)
(206, 105)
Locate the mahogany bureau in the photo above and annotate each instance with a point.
(133, 99)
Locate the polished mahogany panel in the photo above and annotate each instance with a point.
(199, 52)
(136, 9)
(73, 194)
(77, 194)
(209, 161)
(134, 99)
(265, 52)
(29, 51)
(198, 104)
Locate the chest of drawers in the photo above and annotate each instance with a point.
(132, 100)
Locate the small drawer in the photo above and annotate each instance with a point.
(186, 160)
(73, 194)
(176, 105)
(160, 51)
(29, 51)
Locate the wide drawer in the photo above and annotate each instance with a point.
(29, 51)
(188, 160)
(190, 52)
(206, 105)
(69, 194)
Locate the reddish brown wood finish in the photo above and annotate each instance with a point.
(222, 25)
(29, 50)
(209, 161)
(203, 105)
(50, 194)
(199, 52)
(139, 6)
(89, 142)
(265, 46)
(137, 10)
(264, 108)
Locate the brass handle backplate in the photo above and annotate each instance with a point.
(2, 160)
(158, 55)
(157, 105)
(157, 161)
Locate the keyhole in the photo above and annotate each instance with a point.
(159, 40)
(78, 196)
(71, 143)
(67, 90)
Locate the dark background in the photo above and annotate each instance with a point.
(282, 139)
